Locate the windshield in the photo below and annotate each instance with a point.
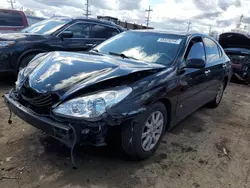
(46, 26)
(144, 46)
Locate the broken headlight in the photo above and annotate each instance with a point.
(91, 106)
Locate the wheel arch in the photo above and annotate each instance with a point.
(29, 52)
(225, 81)
(166, 102)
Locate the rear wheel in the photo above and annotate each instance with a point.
(142, 136)
(216, 101)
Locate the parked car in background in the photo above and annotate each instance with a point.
(237, 47)
(12, 20)
(140, 82)
(58, 33)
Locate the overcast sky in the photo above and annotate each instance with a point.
(167, 14)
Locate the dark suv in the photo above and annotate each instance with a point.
(55, 34)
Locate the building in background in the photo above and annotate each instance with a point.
(123, 24)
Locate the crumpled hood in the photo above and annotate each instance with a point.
(20, 36)
(65, 72)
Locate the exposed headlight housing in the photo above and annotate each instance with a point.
(6, 43)
(93, 106)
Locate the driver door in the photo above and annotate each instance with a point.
(192, 82)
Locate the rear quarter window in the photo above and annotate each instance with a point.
(11, 19)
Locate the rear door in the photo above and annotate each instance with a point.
(99, 33)
(192, 82)
(215, 66)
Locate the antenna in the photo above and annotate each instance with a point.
(87, 14)
(12, 2)
(148, 11)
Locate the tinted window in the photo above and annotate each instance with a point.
(10, 19)
(196, 51)
(46, 26)
(100, 31)
(144, 46)
(80, 30)
(212, 50)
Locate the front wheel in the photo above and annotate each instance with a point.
(216, 101)
(142, 136)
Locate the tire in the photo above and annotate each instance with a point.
(216, 101)
(24, 62)
(133, 134)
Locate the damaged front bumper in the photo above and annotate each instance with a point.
(66, 132)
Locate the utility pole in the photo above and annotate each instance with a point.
(11, 3)
(189, 25)
(87, 14)
(210, 29)
(148, 11)
(239, 24)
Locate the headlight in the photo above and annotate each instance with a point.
(6, 43)
(92, 106)
(20, 78)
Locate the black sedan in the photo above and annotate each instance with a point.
(141, 83)
(55, 34)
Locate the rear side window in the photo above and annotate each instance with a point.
(212, 50)
(103, 32)
(80, 30)
(11, 19)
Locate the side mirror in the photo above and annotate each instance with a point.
(196, 63)
(66, 34)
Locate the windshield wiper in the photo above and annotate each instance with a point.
(122, 55)
(94, 50)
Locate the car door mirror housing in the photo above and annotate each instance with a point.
(66, 34)
(195, 63)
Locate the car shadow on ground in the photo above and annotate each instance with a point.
(95, 165)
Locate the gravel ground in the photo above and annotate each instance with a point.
(208, 149)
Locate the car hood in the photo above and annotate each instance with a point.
(234, 40)
(20, 36)
(65, 73)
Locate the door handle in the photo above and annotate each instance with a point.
(90, 45)
(224, 65)
(207, 71)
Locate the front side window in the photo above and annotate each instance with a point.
(144, 46)
(46, 26)
(212, 51)
(11, 19)
(80, 30)
(103, 32)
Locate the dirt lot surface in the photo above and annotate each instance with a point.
(208, 149)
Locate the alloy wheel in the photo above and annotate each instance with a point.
(152, 131)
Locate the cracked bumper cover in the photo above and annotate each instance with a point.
(62, 131)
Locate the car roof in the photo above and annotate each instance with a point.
(171, 32)
(74, 19)
(12, 10)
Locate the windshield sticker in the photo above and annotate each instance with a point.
(170, 41)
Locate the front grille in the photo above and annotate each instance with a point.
(44, 100)
(39, 102)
